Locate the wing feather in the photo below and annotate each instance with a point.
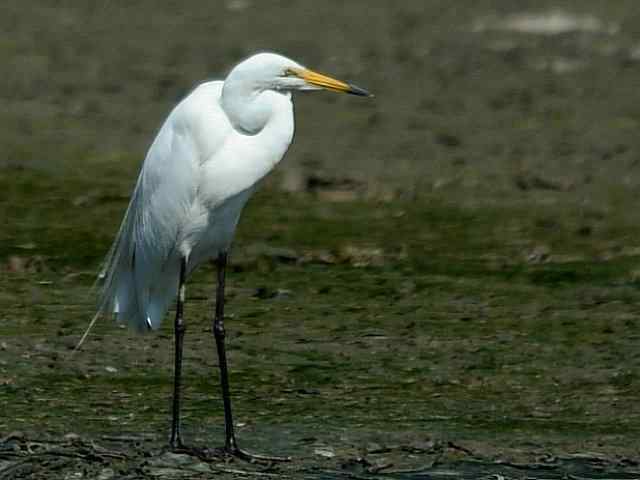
(140, 273)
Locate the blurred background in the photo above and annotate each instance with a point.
(457, 258)
(470, 95)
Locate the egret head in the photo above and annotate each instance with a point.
(270, 71)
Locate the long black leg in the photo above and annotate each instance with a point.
(179, 327)
(230, 444)
(219, 334)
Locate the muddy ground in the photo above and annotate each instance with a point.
(442, 281)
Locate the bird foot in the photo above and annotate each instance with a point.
(176, 445)
(225, 453)
(236, 452)
(179, 447)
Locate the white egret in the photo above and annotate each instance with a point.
(198, 174)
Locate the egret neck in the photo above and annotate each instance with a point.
(247, 107)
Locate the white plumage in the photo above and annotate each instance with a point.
(200, 171)
(197, 176)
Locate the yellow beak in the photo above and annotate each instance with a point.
(323, 81)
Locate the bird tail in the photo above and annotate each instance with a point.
(133, 285)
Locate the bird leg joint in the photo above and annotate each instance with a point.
(181, 327)
(218, 329)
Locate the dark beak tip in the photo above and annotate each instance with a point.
(355, 90)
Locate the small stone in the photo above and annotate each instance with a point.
(106, 474)
(166, 472)
(326, 452)
(73, 475)
(200, 467)
(16, 264)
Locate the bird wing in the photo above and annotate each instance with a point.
(140, 274)
(195, 179)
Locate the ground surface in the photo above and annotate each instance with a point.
(442, 281)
